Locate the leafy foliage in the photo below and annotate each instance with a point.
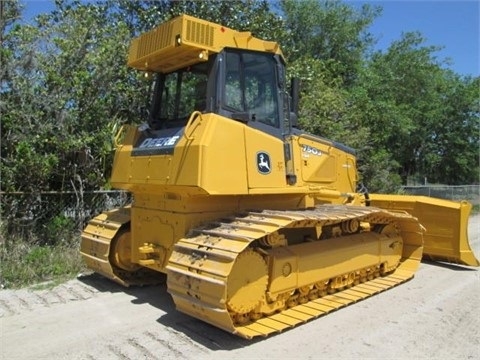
(411, 104)
(330, 31)
(62, 94)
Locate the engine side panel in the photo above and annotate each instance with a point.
(322, 163)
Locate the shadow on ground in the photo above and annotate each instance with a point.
(157, 296)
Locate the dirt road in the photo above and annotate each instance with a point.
(435, 315)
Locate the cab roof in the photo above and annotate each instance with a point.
(186, 40)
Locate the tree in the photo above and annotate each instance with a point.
(331, 31)
(452, 154)
(65, 89)
(417, 113)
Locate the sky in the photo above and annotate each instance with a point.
(451, 24)
(454, 25)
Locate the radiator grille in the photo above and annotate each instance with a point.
(155, 40)
(199, 33)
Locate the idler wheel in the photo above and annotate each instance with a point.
(120, 252)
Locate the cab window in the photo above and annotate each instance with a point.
(250, 86)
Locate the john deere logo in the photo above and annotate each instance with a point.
(263, 163)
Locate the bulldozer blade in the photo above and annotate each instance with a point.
(446, 223)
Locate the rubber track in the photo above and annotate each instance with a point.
(199, 266)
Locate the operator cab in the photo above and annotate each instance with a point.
(245, 86)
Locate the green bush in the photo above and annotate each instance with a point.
(60, 230)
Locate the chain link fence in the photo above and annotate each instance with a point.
(48, 218)
(470, 193)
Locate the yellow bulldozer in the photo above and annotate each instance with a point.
(256, 225)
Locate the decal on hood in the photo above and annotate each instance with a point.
(157, 142)
(263, 163)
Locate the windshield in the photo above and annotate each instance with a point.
(251, 86)
(178, 94)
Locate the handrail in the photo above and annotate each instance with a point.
(116, 139)
(190, 121)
